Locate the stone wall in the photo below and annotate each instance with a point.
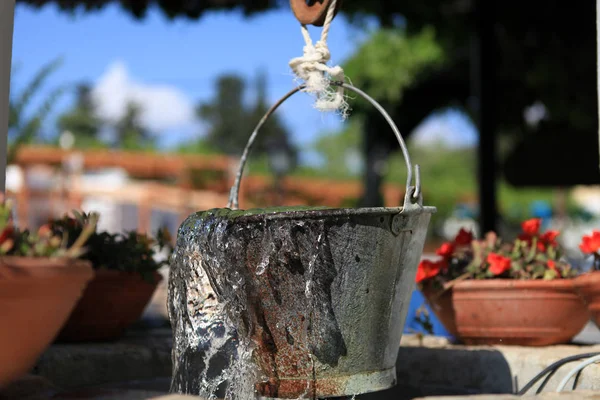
(433, 367)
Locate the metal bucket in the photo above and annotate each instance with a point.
(322, 294)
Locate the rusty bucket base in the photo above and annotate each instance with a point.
(322, 388)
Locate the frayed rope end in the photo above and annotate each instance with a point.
(317, 76)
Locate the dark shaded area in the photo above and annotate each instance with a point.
(425, 371)
(555, 154)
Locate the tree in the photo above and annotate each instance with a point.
(340, 151)
(129, 131)
(226, 115)
(387, 66)
(231, 121)
(82, 120)
(273, 135)
(24, 125)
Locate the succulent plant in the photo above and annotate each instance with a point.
(129, 251)
(44, 242)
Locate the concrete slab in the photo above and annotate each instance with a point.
(486, 369)
(578, 395)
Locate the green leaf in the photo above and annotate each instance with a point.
(550, 274)
(551, 252)
(391, 60)
(532, 250)
(35, 85)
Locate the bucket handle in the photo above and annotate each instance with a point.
(412, 195)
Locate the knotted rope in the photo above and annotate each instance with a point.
(312, 68)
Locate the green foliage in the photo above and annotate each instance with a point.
(130, 134)
(129, 251)
(206, 179)
(335, 148)
(200, 146)
(231, 122)
(82, 120)
(25, 125)
(391, 60)
(449, 177)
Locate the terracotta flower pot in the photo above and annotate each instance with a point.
(441, 305)
(110, 304)
(511, 312)
(36, 297)
(588, 287)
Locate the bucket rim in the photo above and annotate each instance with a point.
(319, 213)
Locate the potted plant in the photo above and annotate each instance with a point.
(588, 284)
(490, 291)
(126, 278)
(41, 280)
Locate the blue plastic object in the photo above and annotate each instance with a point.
(541, 209)
(412, 326)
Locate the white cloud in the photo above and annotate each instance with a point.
(164, 107)
(450, 129)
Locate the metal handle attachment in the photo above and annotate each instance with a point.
(412, 194)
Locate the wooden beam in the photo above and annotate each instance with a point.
(7, 17)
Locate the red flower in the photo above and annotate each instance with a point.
(552, 265)
(531, 227)
(590, 244)
(463, 238)
(498, 264)
(428, 269)
(526, 238)
(445, 250)
(547, 239)
(6, 233)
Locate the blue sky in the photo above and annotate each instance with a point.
(172, 65)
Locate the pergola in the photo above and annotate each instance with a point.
(487, 124)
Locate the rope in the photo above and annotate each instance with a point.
(312, 68)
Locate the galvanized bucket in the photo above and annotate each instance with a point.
(322, 294)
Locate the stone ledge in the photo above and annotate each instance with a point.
(146, 355)
(428, 368)
(486, 369)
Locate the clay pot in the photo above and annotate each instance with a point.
(441, 305)
(511, 312)
(36, 297)
(112, 302)
(588, 287)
